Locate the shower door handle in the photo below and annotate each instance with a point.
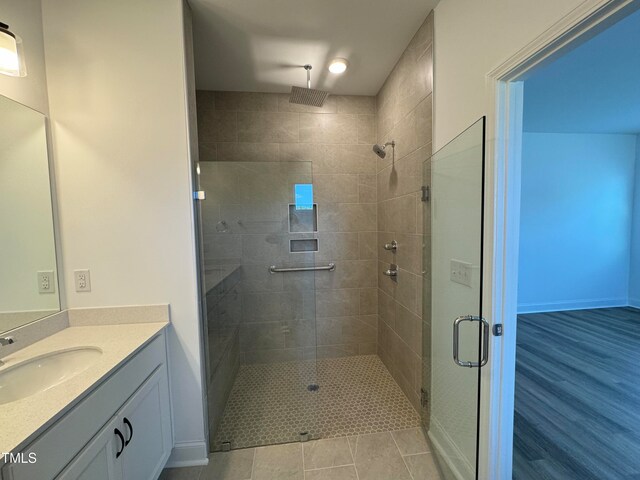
(456, 341)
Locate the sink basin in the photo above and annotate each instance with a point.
(44, 372)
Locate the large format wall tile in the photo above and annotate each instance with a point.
(356, 104)
(404, 176)
(366, 129)
(398, 214)
(338, 246)
(247, 152)
(368, 301)
(404, 114)
(349, 274)
(267, 127)
(357, 195)
(246, 102)
(341, 188)
(367, 245)
(217, 126)
(263, 146)
(335, 303)
(332, 159)
(347, 217)
(346, 330)
(328, 128)
(367, 189)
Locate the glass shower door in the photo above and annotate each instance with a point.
(454, 333)
(259, 222)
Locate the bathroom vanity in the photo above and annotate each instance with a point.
(84, 393)
(110, 420)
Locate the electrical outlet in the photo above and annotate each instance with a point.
(461, 272)
(46, 282)
(83, 280)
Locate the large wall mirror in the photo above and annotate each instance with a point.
(28, 270)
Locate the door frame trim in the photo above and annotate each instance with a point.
(504, 139)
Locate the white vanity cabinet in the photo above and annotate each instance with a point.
(97, 461)
(120, 431)
(146, 448)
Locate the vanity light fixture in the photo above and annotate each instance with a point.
(338, 65)
(11, 58)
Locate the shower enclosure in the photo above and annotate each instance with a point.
(260, 241)
(453, 303)
(291, 277)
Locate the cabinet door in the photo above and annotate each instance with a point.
(97, 461)
(146, 424)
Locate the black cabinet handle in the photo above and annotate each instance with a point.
(128, 424)
(119, 434)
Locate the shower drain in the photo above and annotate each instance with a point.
(314, 387)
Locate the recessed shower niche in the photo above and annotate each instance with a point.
(303, 220)
(297, 245)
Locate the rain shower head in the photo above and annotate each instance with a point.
(380, 150)
(308, 96)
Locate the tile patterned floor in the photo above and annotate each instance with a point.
(270, 404)
(397, 455)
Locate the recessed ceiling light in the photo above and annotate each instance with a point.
(338, 65)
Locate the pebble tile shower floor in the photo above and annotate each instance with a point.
(270, 403)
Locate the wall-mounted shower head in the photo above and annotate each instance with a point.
(380, 150)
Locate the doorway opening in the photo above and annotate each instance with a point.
(570, 254)
(578, 334)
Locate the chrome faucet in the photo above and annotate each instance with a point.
(3, 343)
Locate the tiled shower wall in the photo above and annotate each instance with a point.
(238, 132)
(404, 109)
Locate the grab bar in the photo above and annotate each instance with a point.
(273, 269)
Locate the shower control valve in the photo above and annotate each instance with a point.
(393, 246)
(392, 271)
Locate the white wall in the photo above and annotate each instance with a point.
(575, 221)
(24, 18)
(473, 37)
(634, 267)
(116, 75)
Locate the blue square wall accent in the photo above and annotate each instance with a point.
(303, 195)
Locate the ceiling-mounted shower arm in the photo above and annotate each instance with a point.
(308, 96)
(308, 68)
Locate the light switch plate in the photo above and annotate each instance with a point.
(83, 280)
(461, 272)
(46, 282)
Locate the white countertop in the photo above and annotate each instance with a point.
(23, 420)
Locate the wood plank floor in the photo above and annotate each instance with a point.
(577, 403)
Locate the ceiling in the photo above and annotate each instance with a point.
(592, 89)
(261, 45)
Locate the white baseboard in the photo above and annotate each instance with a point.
(188, 454)
(449, 457)
(573, 305)
(634, 302)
